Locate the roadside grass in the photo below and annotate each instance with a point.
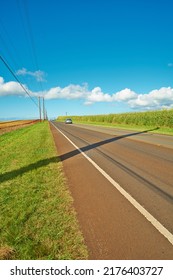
(37, 218)
(157, 130)
(160, 121)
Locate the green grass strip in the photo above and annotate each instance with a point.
(37, 218)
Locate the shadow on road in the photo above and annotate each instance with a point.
(147, 183)
(19, 172)
(101, 143)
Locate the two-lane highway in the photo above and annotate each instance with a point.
(122, 189)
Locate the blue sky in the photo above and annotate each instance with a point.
(86, 56)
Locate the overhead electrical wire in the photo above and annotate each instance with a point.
(3, 30)
(26, 24)
(30, 33)
(5, 36)
(7, 41)
(25, 18)
(10, 51)
(11, 71)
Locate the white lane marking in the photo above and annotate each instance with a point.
(167, 234)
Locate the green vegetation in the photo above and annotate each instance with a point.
(37, 218)
(162, 119)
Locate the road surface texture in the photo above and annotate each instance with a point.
(122, 186)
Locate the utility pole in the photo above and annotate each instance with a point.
(46, 115)
(43, 110)
(39, 106)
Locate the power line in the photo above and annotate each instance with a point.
(39, 104)
(5, 40)
(11, 71)
(30, 33)
(25, 17)
(5, 37)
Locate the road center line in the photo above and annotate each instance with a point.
(167, 234)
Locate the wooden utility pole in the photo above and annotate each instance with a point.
(39, 105)
(43, 110)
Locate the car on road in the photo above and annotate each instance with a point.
(68, 121)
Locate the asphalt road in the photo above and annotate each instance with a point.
(122, 185)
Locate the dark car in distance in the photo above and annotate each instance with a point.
(68, 121)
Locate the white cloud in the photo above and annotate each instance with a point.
(1, 80)
(155, 99)
(96, 95)
(159, 98)
(69, 92)
(124, 95)
(38, 75)
(88, 103)
(10, 88)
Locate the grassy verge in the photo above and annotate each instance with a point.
(160, 130)
(37, 218)
(161, 121)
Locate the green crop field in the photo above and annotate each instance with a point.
(162, 120)
(37, 218)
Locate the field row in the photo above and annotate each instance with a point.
(150, 118)
(159, 119)
(16, 123)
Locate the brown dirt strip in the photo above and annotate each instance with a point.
(10, 126)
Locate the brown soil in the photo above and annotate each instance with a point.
(6, 253)
(10, 126)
